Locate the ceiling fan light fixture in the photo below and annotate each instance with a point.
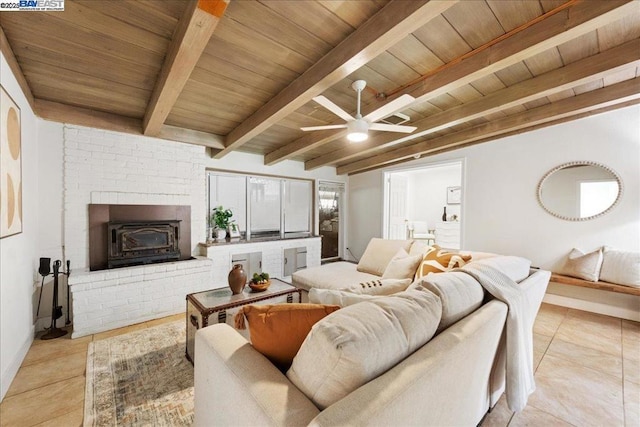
(357, 136)
(358, 130)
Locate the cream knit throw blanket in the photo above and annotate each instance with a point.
(519, 376)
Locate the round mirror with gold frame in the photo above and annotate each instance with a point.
(579, 191)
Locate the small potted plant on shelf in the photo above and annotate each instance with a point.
(221, 220)
(260, 282)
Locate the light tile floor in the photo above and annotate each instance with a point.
(49, 387)
(587, 373)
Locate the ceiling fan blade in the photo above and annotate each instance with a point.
(390, 108)
(392, 128)
(308, 128)
(329, 105)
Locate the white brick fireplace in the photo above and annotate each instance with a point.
(102, 167)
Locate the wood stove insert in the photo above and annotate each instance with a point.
(142, 242)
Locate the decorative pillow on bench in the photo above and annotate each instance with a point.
(583, 266)
(621, 267)
(277, 331)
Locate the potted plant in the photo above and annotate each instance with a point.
(259, 282)
(221, 220)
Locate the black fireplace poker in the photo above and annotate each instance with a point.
(56, 310)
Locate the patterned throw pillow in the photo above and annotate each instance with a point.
(438, 260)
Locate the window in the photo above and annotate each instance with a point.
(264, 206)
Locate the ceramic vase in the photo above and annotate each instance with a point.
(444, 215)
(237, 279)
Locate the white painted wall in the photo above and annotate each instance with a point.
(501, 210)
(19, 253)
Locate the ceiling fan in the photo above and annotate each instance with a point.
(359, 126)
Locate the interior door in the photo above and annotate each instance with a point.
(398, 206)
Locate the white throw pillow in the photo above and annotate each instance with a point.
(379, 253)
(459, 293)
(418, 248)
(360, 342)
(515, 267)
(621, 267)
(402, 266)
(583, 266)
(380, 287)
(337, 297)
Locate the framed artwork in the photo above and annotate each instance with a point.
(10, 167)
(453, 195)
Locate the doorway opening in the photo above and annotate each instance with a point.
(330, 221)
(425, 203)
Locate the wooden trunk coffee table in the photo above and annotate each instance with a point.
(202, 305)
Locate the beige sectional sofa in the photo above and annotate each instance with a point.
(452, 379)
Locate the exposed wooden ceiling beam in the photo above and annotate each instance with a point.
(387, 27)
(623, 92)
(189, 40)
(6, 50)
(561, 27)
(64, 113)
(507, 134)
(574, 74)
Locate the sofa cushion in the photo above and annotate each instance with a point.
(583, 266)
(516, 268)
(438, 260)
(335, 275)
(459, 293)
(359, 342)
(379, 253)
(277, 331)
(402, 266)
(621, 267)
(341, 298)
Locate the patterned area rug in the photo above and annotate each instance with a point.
(140, 379)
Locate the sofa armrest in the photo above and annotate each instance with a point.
(236, 385)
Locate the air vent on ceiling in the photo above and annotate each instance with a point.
(396, 119)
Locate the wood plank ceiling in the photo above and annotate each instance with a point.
(244, 78)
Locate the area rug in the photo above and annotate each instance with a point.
(140, 379)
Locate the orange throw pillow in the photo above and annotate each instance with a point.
(438, 260)
(277, 331)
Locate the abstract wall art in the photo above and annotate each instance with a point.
(10, 167)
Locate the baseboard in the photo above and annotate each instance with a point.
(10, 373)
(592, 306)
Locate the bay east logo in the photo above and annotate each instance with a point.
(32, 6)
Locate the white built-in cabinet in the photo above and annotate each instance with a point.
(448, 234)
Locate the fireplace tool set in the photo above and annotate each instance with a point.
(56, 310)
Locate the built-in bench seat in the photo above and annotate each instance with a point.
(605, 286)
